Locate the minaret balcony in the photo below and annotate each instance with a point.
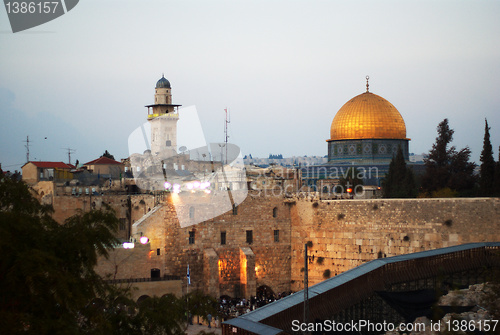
(164, 115)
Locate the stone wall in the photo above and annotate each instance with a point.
(260, 215)
(347, 233)
(129, 263)
(67, 205)
(342, 234)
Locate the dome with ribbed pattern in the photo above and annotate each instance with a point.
(367, 116)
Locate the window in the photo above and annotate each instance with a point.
(168, 143)
(276, 235)
(222, 237)
(191, 212)
(191, 237)
(158, 252)
(275, 212)
(249, 236)
(235, 209)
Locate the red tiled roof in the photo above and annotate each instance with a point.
(103, 161)
(59, 165)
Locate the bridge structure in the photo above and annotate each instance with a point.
(392, 290)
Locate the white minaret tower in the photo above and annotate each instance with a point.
(163, 116)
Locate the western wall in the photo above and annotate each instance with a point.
(341, 235)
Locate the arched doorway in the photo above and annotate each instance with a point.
(143, 298)
(155, 274)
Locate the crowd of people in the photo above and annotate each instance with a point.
(233, 307)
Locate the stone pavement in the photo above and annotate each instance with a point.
(196, 329)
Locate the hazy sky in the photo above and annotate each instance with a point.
(283, 68)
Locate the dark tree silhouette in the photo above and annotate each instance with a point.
(487, 171)
(445, 168)
(47, 275)
(108, 155)
(400, 181)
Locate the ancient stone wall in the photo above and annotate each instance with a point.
(346, 233)
(129, 263)
(342, 234)
(67, 205)
(266, 218)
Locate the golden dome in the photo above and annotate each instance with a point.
(367, 116)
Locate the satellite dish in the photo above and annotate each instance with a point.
(183, 148)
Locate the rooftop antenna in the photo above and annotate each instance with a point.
(27, 145)
(367, 85)
(69, 153)
(226, 136)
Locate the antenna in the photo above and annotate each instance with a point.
(27, 145)
(70, 151)
(226, 136)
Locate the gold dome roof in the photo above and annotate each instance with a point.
(367, 116)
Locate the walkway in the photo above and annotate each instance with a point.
(196, 329)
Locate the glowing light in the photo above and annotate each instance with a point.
(167, 185)
(128, 245)
(189, 186)
(196, 184)
(144, 239)
(208, 191)
(177, 188)
(349, 190)
(205, 185)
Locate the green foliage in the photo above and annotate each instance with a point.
(400, 181)
(446, 167)
(487, 172)
(201, 304)
(47, 280)
(47, 275)
(108, 155)
(160, 316)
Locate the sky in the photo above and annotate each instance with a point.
(282, 68)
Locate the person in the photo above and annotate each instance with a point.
(209, 319)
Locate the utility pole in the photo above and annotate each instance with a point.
(69, 153)
(27, 149)
(306, 287)
(226, 136)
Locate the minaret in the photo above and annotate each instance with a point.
(163, 116)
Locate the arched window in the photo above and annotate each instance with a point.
(275, 212)
(191, 212)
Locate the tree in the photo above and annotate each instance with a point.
(487, 171)
(160, 316)
(399, 181)
(47, 276)
(445, 168)
(108, 155)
